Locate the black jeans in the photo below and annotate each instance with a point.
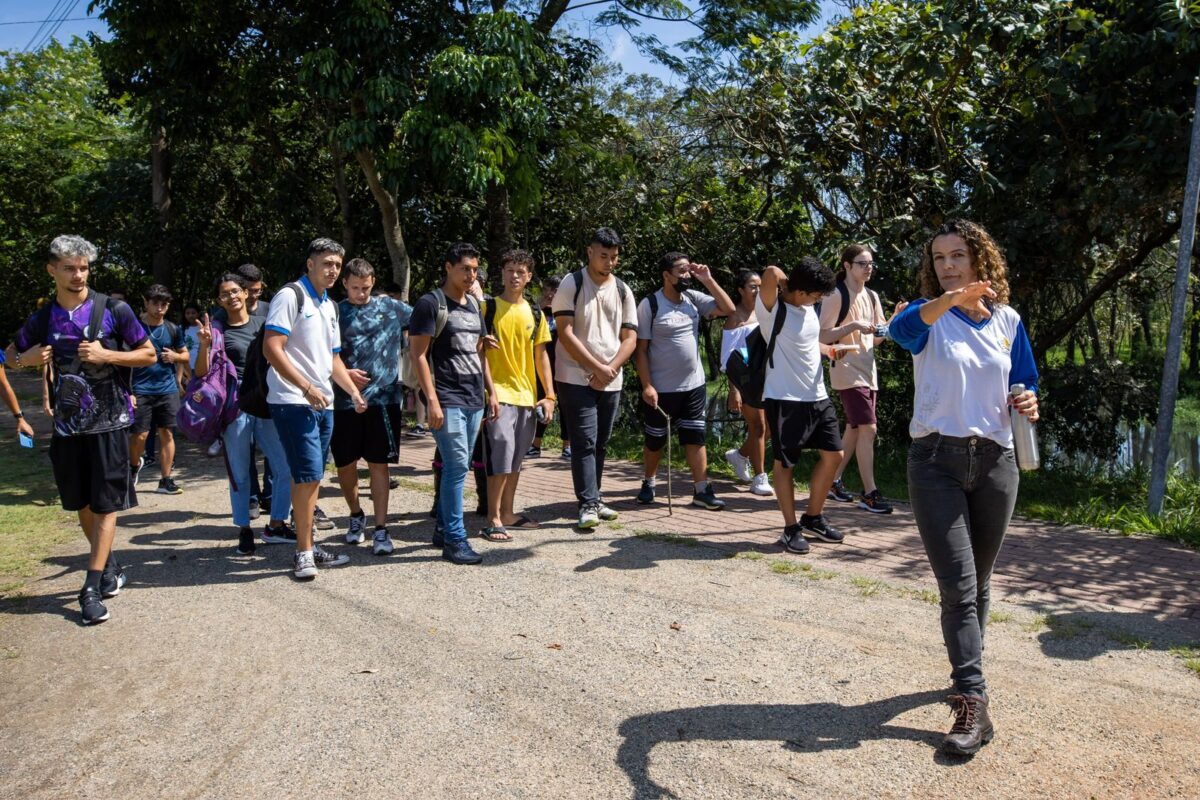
(963, 490)
(591, 414)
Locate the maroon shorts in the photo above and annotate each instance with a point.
(859, 404)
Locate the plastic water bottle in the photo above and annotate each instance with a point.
(1024, 433)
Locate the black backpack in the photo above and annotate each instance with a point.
(100, 303)
(844, 296)
(749, 373)
(252, 393)
(577, 276)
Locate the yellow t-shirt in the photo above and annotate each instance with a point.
(514, 371)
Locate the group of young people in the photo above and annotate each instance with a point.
(485, 372)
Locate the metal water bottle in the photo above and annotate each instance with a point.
(1024, 433)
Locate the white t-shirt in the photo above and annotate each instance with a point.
(313, 337)
(597, 323)
(798, 373)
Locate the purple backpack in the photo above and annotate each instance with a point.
(210, 403)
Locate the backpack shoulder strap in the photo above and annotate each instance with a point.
(844, 294)
(577, 276)
(489, 315)
(622, 290)
(41, 324)
(776, 327)
(100, 303)
(299, 292)
(537, 321)
(439, 320)
(652, 300)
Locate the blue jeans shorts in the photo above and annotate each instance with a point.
(304, 433)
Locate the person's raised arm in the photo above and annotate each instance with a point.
(725, 305)
(969, 298)
(773, 279)
(203, 346)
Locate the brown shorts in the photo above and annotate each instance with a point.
(859, 404)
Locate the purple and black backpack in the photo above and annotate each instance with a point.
(210, 403)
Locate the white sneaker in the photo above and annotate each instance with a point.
(381, 543)
(589, 516)
(761, 485)
(214, 449)
(605, 513)
(303, 565)
(741, 465)
(356, 534)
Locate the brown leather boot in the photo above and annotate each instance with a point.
(972, 727)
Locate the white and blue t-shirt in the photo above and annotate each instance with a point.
(963, 370)
(313, 338)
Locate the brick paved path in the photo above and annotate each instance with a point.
(1042, 564)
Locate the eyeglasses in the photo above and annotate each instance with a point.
(255, 292)
(864, 264)
(229, 294)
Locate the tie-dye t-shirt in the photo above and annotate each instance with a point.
(89, 398)
(371, 337)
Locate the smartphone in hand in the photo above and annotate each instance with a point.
(26, 440)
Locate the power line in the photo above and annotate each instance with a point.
(57, 24)
(41, 21)
(56, 10)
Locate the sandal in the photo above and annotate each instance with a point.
(495, 534)
(526, 523)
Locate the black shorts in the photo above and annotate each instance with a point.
(92, 471)
(686, 409)
(798, 425)
(155, 411)
(373, 436)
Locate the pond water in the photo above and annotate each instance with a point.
(1137, 449)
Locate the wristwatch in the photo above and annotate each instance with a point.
(18, 415)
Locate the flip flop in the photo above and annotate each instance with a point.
(526, 523)
(496, 534)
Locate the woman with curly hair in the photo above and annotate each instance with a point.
(968, 347)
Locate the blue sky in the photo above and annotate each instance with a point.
(616, 42)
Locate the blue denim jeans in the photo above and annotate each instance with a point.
(241, 437)
(963, 490)
(455, 440)
(304, 433)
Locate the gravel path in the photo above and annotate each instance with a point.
(567, 666)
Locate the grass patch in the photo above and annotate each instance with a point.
(749, 555)
(1039, 622)
(1190, 656)
(1068, 629)
(999, 617)
(31, 523)
(415, 485)
(785, 567)
(867, 587)
(1130, 640)
(814, 574)
(670, 538)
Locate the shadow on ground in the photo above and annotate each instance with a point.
(1084, 635)
(808, 728)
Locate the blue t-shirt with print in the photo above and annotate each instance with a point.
(159, 377)
(371, 339)
(88, 398)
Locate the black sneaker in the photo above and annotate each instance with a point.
(707, 499)
(168, 486)
(460, 552)
(438, 539)
(533, 452)
(255, 511)
(816, 528)
(874, 502)
(793, 540)
(135, 470)
(92, 607)
(246, 545)
(838, 492)
(111, 582)
(646, 495)
(284, 534)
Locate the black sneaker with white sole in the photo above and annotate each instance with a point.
(284, 534)
(793, 540)
(874, 502)
(817, 528)
(838, 492)
(168, 486)
(707, 499)
(91, 606)
(646, 495)
(111, 582)
(246, 546)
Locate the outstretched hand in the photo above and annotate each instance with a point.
(204, 330)
(971, 297)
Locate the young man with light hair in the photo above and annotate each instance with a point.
(372, 327)
(597, 334)
(302, 345)
(519, 333)
(92, 343)
(674, 392)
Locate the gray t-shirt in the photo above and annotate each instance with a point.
(674, 336)
(238, 339)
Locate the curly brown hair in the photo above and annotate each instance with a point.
(986, 257)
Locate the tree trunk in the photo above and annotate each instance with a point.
(389, 213)
(160, 196)
(1194, 329)
(343, 195)
(499, 228)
